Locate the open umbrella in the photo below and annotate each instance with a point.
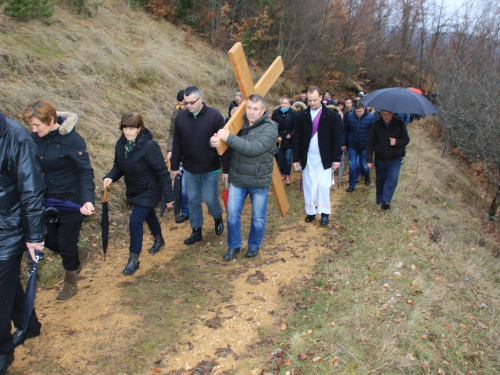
(29, 297)
(399, 100)
(415, 90)
(60, 205)
(341, 168)
(105, 222)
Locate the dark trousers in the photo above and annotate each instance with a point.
(12, 303)
(387, 179)
(63, 238)
(139, 215)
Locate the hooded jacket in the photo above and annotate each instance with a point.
(252, 153)
(66, 167)
(145, 171)
(22, 190)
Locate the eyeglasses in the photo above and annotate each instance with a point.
(191, 103)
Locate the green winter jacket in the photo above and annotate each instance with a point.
(252, 153)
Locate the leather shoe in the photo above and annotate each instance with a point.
(367, 181)
(350, 189)
(385, 206)
(231, 252)
(19, 336)
(181, 218)
(324, 220)
(219, 226)
(194, 237)
(252, 252)
(5, 361)
(310, 218)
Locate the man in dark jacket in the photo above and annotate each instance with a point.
(250, 173)
(178, 109)
(388, 138)
(201, 162)
(317, 148)
(22, 227)
(357, 126)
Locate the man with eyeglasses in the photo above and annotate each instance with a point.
(201, 162)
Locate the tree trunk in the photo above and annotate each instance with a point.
(494, 205)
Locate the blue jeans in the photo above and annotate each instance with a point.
(237, 196)
(202, 185)
(357, 160)
(387, 179)
(139, 215)
(285, 161)
(184, 204)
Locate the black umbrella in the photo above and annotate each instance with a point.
(105, 222)
(66, 206)
(29, 297)
(399, 100)
(177, 194)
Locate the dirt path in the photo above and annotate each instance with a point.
(96, 323)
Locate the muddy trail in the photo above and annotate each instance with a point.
(96, 331)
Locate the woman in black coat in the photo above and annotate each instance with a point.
(69, 178)
(139, 159)
(285, 117)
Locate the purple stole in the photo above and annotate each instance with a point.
(315, 122)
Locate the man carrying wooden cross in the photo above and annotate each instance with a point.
(250, 173)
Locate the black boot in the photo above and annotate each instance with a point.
(219, 226)
(133, 264)
(5, 360)
(194, 237)
(231, 252)
(159, 243)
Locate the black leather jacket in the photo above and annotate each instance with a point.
(22, 190)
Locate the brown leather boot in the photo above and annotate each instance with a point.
(83, 256)
(69, 289)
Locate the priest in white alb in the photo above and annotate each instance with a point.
(317, 150)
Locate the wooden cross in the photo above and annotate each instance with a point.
(236, 122)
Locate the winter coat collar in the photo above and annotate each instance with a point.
(68, 121)
(247, 128)
(143, 138)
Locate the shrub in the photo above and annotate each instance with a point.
(25, 10)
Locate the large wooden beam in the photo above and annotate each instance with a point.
(236, 122)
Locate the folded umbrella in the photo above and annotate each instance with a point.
(105, 222)
(60, 205)
(29, 297)
(177, 195)
(399, 100)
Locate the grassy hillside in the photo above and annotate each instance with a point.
(120, 60)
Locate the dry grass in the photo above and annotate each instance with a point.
(389, 300)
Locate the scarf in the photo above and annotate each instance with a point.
(284, 110)
(315, 122)
(129, 145)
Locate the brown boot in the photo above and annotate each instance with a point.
(69, 289)
(83, 256)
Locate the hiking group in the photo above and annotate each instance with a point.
(47, 181)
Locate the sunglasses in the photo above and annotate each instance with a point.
(192, 102)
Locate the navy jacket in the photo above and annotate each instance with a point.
(22, 191)
(356, 130)
(145, 171)
(329, 133)
(65, 163)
